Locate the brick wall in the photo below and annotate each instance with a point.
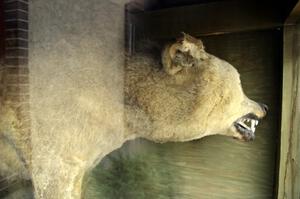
(15, 71)
(2, 41)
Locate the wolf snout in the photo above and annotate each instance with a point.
(264, 108)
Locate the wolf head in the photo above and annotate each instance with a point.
(193, 95)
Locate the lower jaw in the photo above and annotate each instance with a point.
(246, 134)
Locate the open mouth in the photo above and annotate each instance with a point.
(246, 126)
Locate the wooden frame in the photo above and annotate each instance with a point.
(215, 18)
(287, 185)
(289, 162)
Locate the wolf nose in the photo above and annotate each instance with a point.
(264, 107)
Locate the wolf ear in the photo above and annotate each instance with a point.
(190, 39)
(183, 54)
(167, 60)
(175, 60)
(172, 69)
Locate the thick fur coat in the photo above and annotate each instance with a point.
(85, 104)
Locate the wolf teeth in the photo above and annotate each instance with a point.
(253, 124)
(244, 125)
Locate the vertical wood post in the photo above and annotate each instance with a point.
(289, 172)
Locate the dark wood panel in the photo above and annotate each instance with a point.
(294, 15)
(210, 18)
(163, 4)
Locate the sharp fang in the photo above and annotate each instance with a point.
(244, 125)
(253, 125)
(256, 122)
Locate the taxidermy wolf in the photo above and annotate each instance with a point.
(186, 95)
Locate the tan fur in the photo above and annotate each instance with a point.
(12, 162)
(13, 146)
(185, 102)
(185, 98)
